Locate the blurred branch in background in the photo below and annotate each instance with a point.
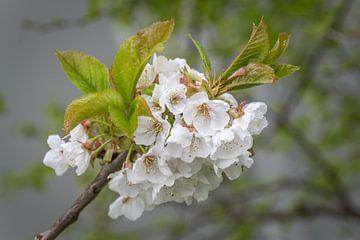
(315, 122)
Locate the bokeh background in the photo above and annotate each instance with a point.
(305, 180)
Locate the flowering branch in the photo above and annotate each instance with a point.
(182, 129)
(86, 197)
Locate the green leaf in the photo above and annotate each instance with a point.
(133, 55)
(255, 74)
(142, 107)
(128, 122)
(279, 48)
(91, 105)
(87, 73)
(285, 70)
(204, 57)
(133, 119)
(255, 50)
(119, 118)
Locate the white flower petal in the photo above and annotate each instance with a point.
(203, 125)
(199, 97)
(257, 108)
(242, 122)
(78, 134)
(227, 97)
(219, 120)
(234, 171)
(189, 112)
(226, 135)
(76, 156)
(257, 125)
(131, 208)
(56, 161)
(82, 163)
(225, 163)
(54, 141)
(246, 160)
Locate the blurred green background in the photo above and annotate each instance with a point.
(305, 180)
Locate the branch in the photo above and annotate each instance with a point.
(86, 197)
(57, 23)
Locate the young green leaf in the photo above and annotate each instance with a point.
(133, 55)
(89, 106)
(204, 57)
(87, 73)
(255, 50)
(128, 122)
(254, 74)
(119, 118)
(279, 48)
(284, 70)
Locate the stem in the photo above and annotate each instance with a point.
(86, 197)
(98, 136)
(99, 149)
(142, 149)
(129, 153)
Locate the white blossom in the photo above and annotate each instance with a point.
(207, 116)
(179, 192)
(55, 158)
(120, 183)
(77, 156)
(157, 101)
(68, 154)
(253, 119)
(230, 143)
(151, 167)
(175, 98)
(79, 134)
(151, 129)
(187, 144)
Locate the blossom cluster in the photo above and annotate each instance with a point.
(189, 141)
(70, 153)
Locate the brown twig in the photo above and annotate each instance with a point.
(86, 197)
